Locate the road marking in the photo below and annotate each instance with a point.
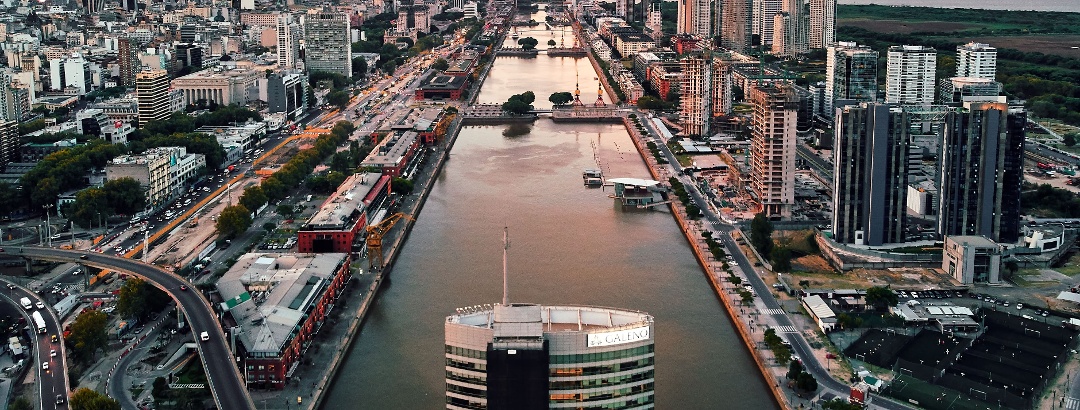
(787, 329)
(772, 311)
(1072, 403)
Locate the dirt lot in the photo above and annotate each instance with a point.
(1056, 45)
(905, 27)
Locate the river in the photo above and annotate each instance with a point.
(569, 245)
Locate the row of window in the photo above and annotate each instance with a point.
(633, 403)
(471, 353)
(604, 395)
(606, 369)
(467, 391)
(602, 356)
(458, 364)
(461, 377)
(601, 382)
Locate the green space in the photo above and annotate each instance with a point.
(981, 22)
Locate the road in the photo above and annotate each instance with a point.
(226, 383)
(53, 381)
(816, 163)
(714, 223)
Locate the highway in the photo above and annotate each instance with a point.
(53, 381)
(225, 380)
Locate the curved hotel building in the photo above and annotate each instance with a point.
(525, 356)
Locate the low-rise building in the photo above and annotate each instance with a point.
(820, 311)
(278, 302)
(339, 221)
(629, 44)
(442, 87)
(972, 259)
(393, 153)
(164, 172)
(223, 87)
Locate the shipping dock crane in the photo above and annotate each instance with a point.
(374, 239)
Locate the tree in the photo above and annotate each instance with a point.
(648, 102)
(139, 299)
(806, 382)
(286, 211)
(839, 404)
(881, 297)
(528, 43)
(125, 195)
(233, 221)
(400, 185)
(781, 259)
(561, 98)
(1011, 266)
(761, 234)
(339, 99)
(359, 67)
(526, 97)
(253, 197)
(86, 399)
(21, 403)
(440, 64)
(516, 107)
(88, 334)
(551, 43)
(794, 369)
(1069, 139)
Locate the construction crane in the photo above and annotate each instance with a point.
(374, 239)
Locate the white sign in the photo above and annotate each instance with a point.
(618, 337)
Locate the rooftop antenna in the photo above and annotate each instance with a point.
(506, 246)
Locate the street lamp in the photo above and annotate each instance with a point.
(48, 224)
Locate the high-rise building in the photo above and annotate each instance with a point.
(976, 60)
(982, 158)
(9, 142)
(966, 89)
(736, 29)
(764, 12)
(790, 29)
(72, 72)
(870, 174)
(285, 93)
(326, 42)
(911, 75)
(128, 60)
(706, 91)
(822, 23)
(772, 147)
(695, 18)
(525, 356)
(93, 6)
(288, 41)
(850, 74)
(152, 91)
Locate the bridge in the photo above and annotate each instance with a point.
(588, 114)
(516, 52)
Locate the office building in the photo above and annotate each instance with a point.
(790, 29)
(278, 302)
(288, 41)
(972, 259)
(772, 147)
(976, 60)
(967, 89)
(286, 93)
(9, 142)
(152, 92)
(822, 23)
(695, 18)
(163, 172)
(72, 73)
(188, 55)
(911, 75)
(982, 155)
(736, 27)
(326, 42)
(93, 7)
(223, 87)
(764, 14)
(127, 58)
(850, 74)
(525, 356)
(870, 174)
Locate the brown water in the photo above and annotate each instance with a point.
(569, 245)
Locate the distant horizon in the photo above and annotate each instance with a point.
(1030, 5)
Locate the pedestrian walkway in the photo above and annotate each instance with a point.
(773, 311)
(1071, 403)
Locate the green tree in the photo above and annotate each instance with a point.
(527, 97)
(528, 43)
(839, 404)
(233, 221)
(88, 334)
(339, 99)
(139, 299)
(1069, 139)
(21, 403)
(359, 67)
(761, 230)
(561, 98)
(253, 197)
(286, 211)
(781, 259)
(551, 43)
(648, 102)
(516, 107)
(881, 297)
(125, 195)
(91, 204)
(86, 399)
(440, 64)
(401, 186)
(806, 382)
(794, 369)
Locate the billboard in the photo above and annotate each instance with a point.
(618, 337)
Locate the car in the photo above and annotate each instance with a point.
(54, 338)
(204, 336)
(39, 305)
(59, 399)
(10, 286)
(1044, 313)
(45, 366)
(1006, 304)
(183, 287)
(1019, 306)
(52, 353)
(80, 257)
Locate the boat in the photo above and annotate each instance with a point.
(593, 177)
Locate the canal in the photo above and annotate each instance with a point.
(569, 245)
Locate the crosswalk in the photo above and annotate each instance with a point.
(787, 329)
(772, 311)
(1072, 403)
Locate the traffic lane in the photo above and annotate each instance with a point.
(52, 379)
(224, 377)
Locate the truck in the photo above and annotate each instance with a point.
(25, 302)
(39, 322)
(204, 336)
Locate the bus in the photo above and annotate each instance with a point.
(39, 322)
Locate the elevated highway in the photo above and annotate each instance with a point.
(226, 383)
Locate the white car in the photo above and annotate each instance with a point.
(52, 353)
(44, 365)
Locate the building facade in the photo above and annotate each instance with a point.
(822, 23)
(850, 74)
(972, 259)
(525, 356)
(286, 93)
(736, 27)
(982, 158)
(870, 174)
(127, 58)
(911, 75)
(326, 42)
(695, 18)
(288, 41)
(343, 216)
(772, 147)
(152, 92)
(976, 60)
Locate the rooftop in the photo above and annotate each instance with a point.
(558, 318)
(268, 294)
(391, 150)
(345, 205)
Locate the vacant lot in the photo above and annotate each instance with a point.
(906, 27)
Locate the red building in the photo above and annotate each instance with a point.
(342, 217)
(394, 153)
(443, 87)
(278, 302)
